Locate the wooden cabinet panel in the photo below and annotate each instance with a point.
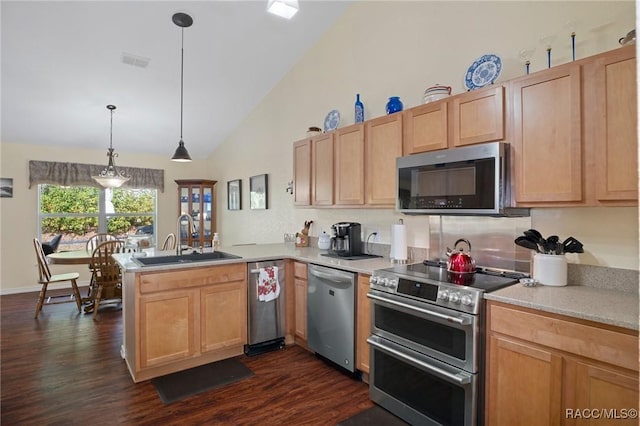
(349, 165)
(426, 128)
(616, 117)
(301, 307)
(525, 383)
(478, 116)
(383, 144)
(302, 173)
(322, 170)
(601, 388)
(546, 108)
(223, 316)
(300, 270)
(167, 327)
(363, 324)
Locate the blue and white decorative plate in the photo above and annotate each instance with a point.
(483, 71)
(332, 120)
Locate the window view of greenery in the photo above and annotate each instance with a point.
(81, 212)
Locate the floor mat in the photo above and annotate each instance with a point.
(374, 416)
(176, 386)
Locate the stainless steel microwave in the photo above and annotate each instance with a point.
(471, 180)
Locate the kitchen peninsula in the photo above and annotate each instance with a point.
(180, 315)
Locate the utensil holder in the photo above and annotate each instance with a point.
(550, 269)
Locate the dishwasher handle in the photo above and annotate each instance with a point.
(336, 277)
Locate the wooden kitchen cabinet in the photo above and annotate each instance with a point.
(182, 318)
(574, 133)
(196, 197)
(302, 173)
(426, 127)
(363, 324)
(468, 118)
(349, 165)
(547, 141)
(540, 365)
(383, 144)
(300, 285)
(478, 116)
(313, 171)
(612, 116)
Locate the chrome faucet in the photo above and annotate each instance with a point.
(179, 234)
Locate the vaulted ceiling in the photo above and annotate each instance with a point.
(64, 61)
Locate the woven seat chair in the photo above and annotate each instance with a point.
(46, 278)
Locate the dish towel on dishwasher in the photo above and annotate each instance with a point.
(268, 285)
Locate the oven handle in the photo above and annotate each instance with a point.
(461, 321)
(442, 373)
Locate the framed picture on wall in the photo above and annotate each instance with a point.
(234, 194)
(258, 192)
(6, 187)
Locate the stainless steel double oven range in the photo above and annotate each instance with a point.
(427, 341)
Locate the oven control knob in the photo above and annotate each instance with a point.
(393, 283)
(466, 300)
(386, 282)
(454, 297)
(443, 294)
(373, 279)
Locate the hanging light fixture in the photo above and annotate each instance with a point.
(182, 20)
(283, 8)
(111, 177)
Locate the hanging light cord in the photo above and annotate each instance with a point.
(181, 81)
(111, 131)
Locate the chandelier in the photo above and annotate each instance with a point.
(110, 176)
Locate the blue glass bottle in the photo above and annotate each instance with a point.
(394, 105)
(359, 108)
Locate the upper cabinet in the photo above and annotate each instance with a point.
(313, 171)
(349, 165)
(465, 119)
(302, 172)
(574, 133)
(548, 135)
(383, 144)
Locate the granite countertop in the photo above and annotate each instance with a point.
(604, 295)
(608, 306)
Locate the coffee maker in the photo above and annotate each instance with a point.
(345, 239)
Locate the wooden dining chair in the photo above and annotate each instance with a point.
(46, 278)
(91, 245)
(169, 242)
(107, 275)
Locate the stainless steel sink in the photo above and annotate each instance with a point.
(184, 258)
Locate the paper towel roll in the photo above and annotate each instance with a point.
(398, 242)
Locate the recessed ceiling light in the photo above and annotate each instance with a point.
(283, 8)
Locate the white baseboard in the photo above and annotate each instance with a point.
(30, 289)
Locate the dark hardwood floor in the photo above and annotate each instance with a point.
(65, 369)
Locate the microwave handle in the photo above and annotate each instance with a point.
(432, 368)
(461, 321)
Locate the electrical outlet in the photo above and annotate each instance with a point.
(375, 238)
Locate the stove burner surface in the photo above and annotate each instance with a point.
(484, 279)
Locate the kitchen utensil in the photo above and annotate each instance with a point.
(460, 261)
(536, 236)
(553, 245)
(525, 242)
(630, 38)
(572, 245)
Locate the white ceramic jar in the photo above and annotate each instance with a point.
(550, 269)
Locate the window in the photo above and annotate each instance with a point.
(79, 212)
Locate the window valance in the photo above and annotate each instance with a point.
(76, 174)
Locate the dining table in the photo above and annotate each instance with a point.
(72, 257)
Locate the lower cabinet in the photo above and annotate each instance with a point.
(554, 370)
(184, 318)
(300, 284)
(363, 324)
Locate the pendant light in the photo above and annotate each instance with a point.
(182, 20)
(111, 177)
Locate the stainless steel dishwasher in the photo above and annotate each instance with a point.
(265, 319)
(331, 314)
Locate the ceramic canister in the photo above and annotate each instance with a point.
(550, 269)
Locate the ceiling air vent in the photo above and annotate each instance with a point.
(136, 61)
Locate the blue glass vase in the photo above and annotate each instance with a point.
(394, 105)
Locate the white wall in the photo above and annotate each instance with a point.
(19, 215)
(386, 48)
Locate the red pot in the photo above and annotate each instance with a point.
(460, 261)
